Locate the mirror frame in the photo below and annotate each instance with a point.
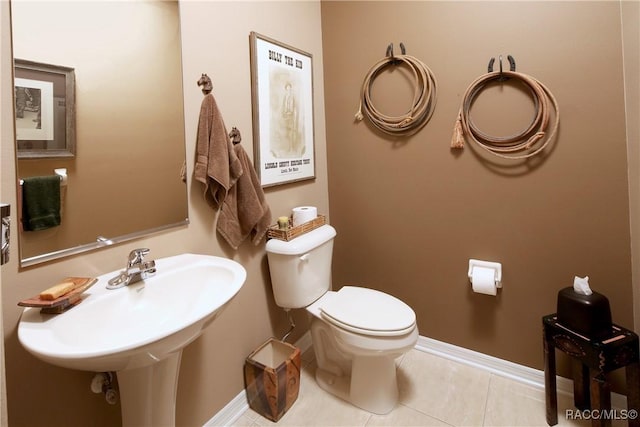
(102, 242)
(70, 115)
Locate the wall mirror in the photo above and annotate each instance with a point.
(126, 177)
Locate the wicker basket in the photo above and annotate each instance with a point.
(275, 233)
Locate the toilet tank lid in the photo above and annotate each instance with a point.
(303, 243)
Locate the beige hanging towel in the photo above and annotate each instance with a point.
(245, 212)
(217, 165)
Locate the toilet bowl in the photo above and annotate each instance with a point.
(357, 333)
(355, 351)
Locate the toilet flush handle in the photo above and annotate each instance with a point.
(305, 257)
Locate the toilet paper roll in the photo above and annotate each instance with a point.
(303, 214)
(483, 280)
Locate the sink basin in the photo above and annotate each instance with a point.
(136, 327)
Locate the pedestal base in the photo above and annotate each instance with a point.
(148, 395)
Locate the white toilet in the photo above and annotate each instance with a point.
(357, 333)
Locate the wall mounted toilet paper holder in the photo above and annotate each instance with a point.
(496, 266)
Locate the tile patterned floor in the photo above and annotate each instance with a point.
(433, 392)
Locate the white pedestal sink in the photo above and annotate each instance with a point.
(138, 331)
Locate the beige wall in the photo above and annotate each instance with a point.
(630, 14)
(215, 39)
(410, 213)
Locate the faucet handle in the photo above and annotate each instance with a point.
(136, 255)
(148, 269)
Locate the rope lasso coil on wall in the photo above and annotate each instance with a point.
(423, 102)
(527, 143)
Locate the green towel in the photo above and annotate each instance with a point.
(40, 202)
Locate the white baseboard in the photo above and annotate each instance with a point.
(514, 371)
(231, 411)
(524, 374)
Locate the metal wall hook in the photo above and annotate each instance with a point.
(390, 54)
(512, 67)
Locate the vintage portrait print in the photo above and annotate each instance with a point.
(34, 109)
(282, 88)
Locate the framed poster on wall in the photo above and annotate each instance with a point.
(282, 94)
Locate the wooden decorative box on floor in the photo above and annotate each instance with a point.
(272, 378)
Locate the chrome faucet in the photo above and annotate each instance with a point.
(137, 269)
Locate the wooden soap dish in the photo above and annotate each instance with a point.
(64, 302)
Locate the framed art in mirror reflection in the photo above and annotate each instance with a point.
(45, 110)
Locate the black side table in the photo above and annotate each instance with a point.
(591, 387)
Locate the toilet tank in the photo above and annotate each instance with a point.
(301, 268)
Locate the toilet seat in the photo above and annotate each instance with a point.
(368, 312)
